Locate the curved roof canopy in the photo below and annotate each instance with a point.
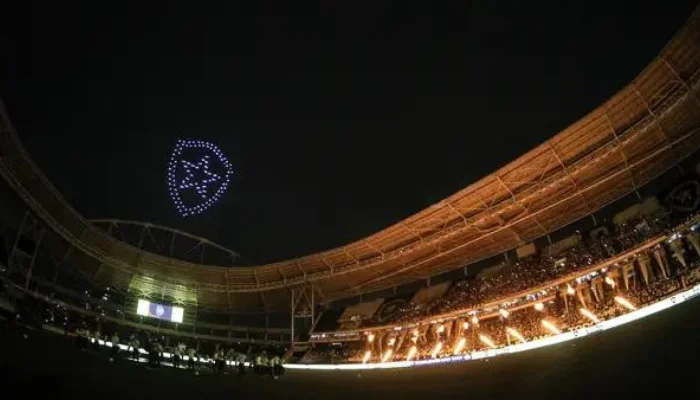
(643, 130)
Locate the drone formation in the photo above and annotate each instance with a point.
(196, 184)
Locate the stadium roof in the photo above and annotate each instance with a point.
(643, 130)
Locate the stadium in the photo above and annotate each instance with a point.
(564, 246)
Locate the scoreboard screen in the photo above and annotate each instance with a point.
(159, 311)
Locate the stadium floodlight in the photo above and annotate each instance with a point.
(436, 349)
(459, 346)
(387, 355)
(142, 307)
(412, 352)
(177, 314)
(551, 327)
(589, 315)
(513, 332)
(610, 281)
(196, 186)
(487, 341)
(625, 303)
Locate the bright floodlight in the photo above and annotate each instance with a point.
(570, 290)
(177, 314)
(368, 354)
(142, 307)
(550, 327)
(436, 349)
(589, 315)
(387, 355)
(487, 341)
(515, 334)
(460, 346)
(625, 303)
(610, 281)
(504, 313)
(411, 353)
(539, 306)
(475, 320)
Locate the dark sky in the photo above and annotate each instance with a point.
(338, 120)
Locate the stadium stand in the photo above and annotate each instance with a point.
(643, 131)
(71, 276)
(601, 278)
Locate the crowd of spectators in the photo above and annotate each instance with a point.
(146, 345)
(537, 269)
(526, 321)
(121, 342)
(529, 272)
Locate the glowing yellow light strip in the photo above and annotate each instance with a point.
(551, 327)
(487, 341)
(589, 315)
(460, 346)
(436, 349)
(387, 355)
(625, 303)
(368, 354)
(516, 334)
(412, 352)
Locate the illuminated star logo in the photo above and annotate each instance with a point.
(206, 177)
(198, 175)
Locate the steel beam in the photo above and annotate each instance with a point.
(592, 186)
(682, 81)
(653, 115)
(515, 199)
(623, 154)
(498, 219)
(571, 178)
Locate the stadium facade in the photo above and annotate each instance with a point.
(643, 131)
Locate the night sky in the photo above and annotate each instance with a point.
(338, 120)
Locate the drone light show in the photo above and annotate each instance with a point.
(198, 176)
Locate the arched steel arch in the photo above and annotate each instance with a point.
(643, 130)
(145, 230)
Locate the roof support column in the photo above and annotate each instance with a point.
(302, 309)
(21, 259)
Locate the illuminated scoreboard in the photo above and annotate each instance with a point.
(159, 311)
